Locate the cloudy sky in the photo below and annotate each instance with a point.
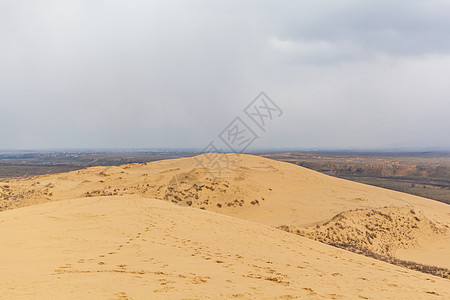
(164, 74)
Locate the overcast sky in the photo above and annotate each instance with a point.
(163, 74)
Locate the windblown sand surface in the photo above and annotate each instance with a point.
(260, 191)
(113, 247)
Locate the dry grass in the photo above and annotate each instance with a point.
(377, 233)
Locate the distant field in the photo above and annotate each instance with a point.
(21, 164)
(424, 190)
(423, 174)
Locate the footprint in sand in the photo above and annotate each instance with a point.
(121, 295)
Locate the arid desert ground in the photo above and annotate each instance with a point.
(181, 229)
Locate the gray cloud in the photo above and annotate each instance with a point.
(388, 27)
(348, 74)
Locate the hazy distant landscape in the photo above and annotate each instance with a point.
(26, 163)
(425, 174)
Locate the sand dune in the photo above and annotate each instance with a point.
(251, 185)
(133, 248)
(366, 219)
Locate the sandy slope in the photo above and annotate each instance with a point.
(128, 247)
(252, 188)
